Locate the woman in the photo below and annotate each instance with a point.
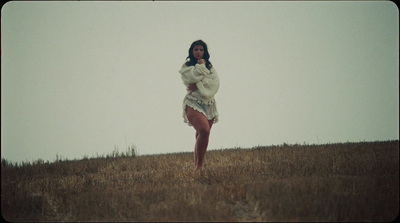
(199, 107)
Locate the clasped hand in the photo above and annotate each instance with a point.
(192, 87)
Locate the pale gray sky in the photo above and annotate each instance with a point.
(78, 78)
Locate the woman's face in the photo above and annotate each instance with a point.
(198, 52)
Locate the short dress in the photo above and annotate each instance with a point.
(208, 109)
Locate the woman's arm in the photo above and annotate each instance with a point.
(209, 86)
(193, 74)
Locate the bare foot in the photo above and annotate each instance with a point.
(198, 171)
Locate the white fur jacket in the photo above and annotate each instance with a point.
(207, 81)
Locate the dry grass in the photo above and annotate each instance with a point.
(334, 182)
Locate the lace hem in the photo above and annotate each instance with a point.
(208, 109)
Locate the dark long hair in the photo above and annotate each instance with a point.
(191, 60)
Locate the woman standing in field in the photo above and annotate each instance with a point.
(199, 107)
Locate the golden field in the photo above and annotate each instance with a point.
(331, 182)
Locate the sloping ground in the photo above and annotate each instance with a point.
(334, 182)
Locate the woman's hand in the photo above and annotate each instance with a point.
(201, 61)
(192, 87)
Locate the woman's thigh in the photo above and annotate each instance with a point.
(198, 120)
(210, 123)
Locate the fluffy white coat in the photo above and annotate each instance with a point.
(207, 81)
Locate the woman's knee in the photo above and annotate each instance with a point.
(204, 131)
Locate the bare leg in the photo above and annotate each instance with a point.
(195, 151)
(196, 159)
(202, 127)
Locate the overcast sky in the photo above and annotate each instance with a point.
(80, 78)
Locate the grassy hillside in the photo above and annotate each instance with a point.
(334, 182)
